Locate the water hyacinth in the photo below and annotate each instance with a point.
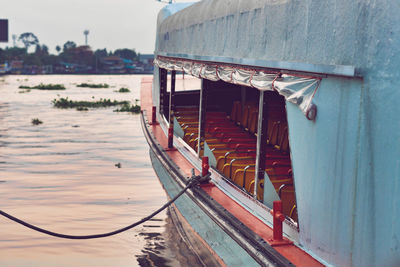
(36, 121)
(92, 85)
(42, 86)
(123, 90)
(66, 103)
(129, 108)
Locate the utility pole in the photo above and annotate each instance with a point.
(14, 37)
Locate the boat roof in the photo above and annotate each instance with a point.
(348, 38)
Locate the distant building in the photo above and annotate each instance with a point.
(4, 68)
(35, 69)
(117, 64)
(83, 51)
(113, 64)
(17, 66)
(146, 59)
(66, 67)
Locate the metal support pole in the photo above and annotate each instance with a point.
(154, 116)
(243, 99)
(262, 129)
(171, 98)
(202, 115)
(171, 111)
(163, 89)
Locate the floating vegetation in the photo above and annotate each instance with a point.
(45, 87)
(123, 90)
(129, 108)
(92, 85)
(82, 109)
(36, 121)
(66, 103)
(24, 91)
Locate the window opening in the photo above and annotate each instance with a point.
(230, 131)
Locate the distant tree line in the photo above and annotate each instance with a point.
(67, 53)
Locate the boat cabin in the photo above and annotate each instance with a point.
(295, 102)
(220, 120)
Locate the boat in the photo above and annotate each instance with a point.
(4, 69)
(291, 108)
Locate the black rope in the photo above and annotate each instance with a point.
(194, 180)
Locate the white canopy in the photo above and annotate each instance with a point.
(297, 89)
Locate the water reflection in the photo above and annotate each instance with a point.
(62, 175)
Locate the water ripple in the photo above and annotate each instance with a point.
(64, 178)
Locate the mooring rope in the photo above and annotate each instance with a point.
(193, 181)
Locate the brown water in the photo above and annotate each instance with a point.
(61, 175)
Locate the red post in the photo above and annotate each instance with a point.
(153, 115)
(279, 217)
(170, 137)
(204, 166)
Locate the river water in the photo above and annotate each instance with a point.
(63, 175)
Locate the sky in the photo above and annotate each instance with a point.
(112, 24)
